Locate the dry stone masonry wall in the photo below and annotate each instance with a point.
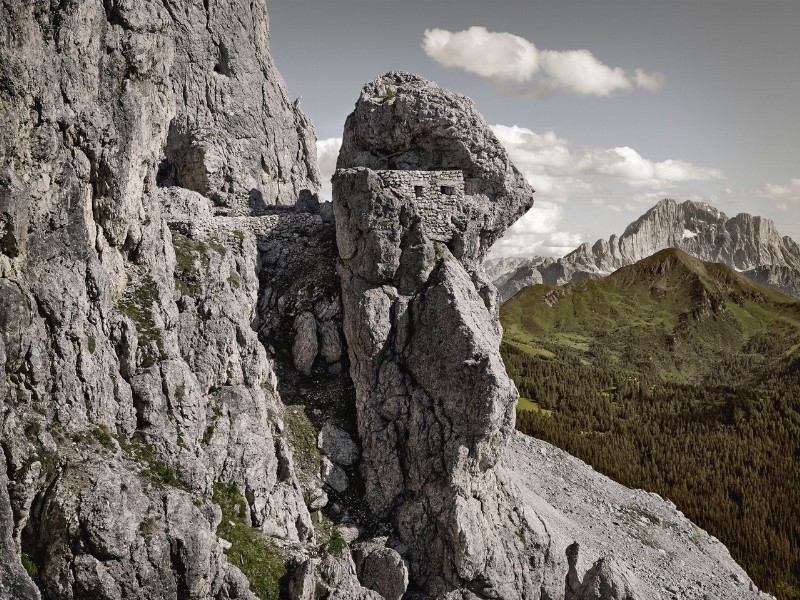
(438, 196)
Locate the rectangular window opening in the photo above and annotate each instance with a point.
(447, 190)
(418, 191)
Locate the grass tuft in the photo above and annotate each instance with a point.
(255, 554)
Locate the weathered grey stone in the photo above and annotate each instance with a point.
(306, 344)
(235, 129)
(404, 122)
(620, 553)
(336, 444)
(434, 402)
(15, 583)
(330, 341)
(333, 475)
(125, 307)
(318, 499)
(381, 569)
(304, 578)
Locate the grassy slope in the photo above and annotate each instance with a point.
(680, 377)
(670, 311)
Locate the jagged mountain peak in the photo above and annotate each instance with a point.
(748, 243)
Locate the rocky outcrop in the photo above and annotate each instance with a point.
(431, 430)
(613, 542)
(404, 122)
(176, 346)
(134, 386)
(234, 132)
(749, 244)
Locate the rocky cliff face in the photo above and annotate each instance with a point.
(133, 383)
(177, 347)
(750, 244)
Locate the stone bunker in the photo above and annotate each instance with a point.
(437, 194)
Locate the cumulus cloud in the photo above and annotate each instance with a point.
(609, 179)
(536, 232)
(495, 55)
(327, 153)
(628, 165)
(548, 159)
(790, 191)
(580, 72)
(510, 59)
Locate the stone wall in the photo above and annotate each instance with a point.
(437, 194)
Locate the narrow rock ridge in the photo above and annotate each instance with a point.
(749, 244)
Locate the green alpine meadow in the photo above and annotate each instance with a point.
(681, 377)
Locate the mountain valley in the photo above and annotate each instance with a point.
(681, 377)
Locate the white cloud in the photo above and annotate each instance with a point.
(560, 243)
(648, 81)
(506, 58)
(790, 191)
(580, 72)
(327, 153)
(628, 165)
(612, 180)
(495, 55)
(536, 232)
(548, 161)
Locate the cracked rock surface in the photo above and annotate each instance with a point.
(441, 463)
(179, 357)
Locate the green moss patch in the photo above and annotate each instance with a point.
(255, 554)
(137, 304)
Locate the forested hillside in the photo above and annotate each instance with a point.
(680, 377)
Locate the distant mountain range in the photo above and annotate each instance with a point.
(750, 244)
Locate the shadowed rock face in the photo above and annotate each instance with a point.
(119, 337)
(402, 121)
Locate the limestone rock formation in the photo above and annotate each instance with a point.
(234, 130)
(178, 416)
(134, 386)
(404, 122)
(430, 429)
(749, 244)
(632, 543)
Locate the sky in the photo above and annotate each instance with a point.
(605, 106)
